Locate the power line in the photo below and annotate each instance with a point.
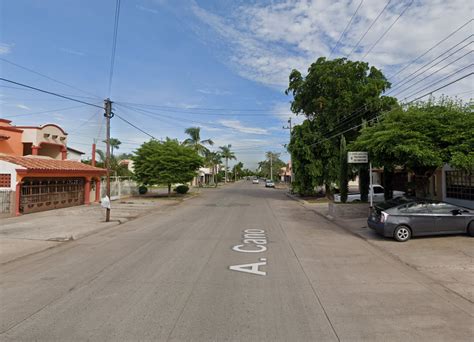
(198, 110)
(440, 69)
(431, 48)
(389, 28)
(404, 104)
(134, 126)
(345, 29)
(407, 80)
(25, 89)
(440, 80)
(45, 76)
(114, 45)
(372, 24)
(44, 112)
(49, 92)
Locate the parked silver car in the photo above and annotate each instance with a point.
(403, 218)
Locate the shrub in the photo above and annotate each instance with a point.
(182, 189)
(142, 190)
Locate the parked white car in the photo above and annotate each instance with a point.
(378, 195)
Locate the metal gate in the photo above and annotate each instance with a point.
(39, 194)
(5, 201)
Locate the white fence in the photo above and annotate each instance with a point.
(119, 187)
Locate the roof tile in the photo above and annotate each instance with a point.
(46, 164)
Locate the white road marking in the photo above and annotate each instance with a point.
(250, 268)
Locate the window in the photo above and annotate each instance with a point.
(416, 208)
(378, 190)
(460, 185)
(5, 180)
(442, 208)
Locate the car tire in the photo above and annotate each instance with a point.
(402, 233)
(470, 229)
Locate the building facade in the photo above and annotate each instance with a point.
(36, 172)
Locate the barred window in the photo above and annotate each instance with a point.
(5, 180)
(460, 185)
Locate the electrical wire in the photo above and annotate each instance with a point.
(45, 111)
(49, 92)
(47, 77)
(345, 29)
(431, 48)
(370, 27)
(440, 69)
(136, 127)
(407, 80)
(388, 29)
(114, 45)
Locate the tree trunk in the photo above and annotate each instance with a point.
(169, 189)
(226, 161)
(364, 180)
(327, 190)
(387, 183)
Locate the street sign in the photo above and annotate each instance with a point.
(357, 157)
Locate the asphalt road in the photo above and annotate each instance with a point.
(166, 276)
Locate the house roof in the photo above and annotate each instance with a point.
(49, 165)
(74, 150)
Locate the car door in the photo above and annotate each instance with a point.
(418, 216)
(448, 217)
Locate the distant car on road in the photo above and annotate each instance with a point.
(269, 184)
(255, 181)
(403, 218)
(378, 195)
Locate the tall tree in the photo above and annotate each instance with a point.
(195, 141)
(271, 165)
(213, 160)
(166, 162)
(227, 154)
(237, 170)
(335, 96)
(422, 138)
(114, 144)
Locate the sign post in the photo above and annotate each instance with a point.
(363, 158)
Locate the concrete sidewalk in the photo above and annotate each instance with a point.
(447, 260)
(32, 233)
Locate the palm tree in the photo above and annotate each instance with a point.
(114, 143)
(195, 141)
(227, 154)
(212, 160)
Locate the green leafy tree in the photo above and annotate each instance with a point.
(114, 144)
(343, 171)
(335, 96)
(422, 138)
(237, 170)
(227, 154)
(213, 160)
(195, 141)
(166, 162)
(273, 163)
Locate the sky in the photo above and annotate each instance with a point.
(221, 65)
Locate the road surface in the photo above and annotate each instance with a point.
(180, 275)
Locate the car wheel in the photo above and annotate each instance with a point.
(402, 233)
(470, 229)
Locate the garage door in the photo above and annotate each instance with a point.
(39, 194)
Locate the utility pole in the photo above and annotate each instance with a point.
(290, 127)
(108, 115)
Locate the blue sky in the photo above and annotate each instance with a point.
(221, 65)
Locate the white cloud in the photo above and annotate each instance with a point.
(72, 52)
(22, 106)
(147, 9)
(266, 40)
(5, 49)
(237, 125)
(217, 92)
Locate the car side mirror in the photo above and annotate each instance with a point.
(456, 212)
